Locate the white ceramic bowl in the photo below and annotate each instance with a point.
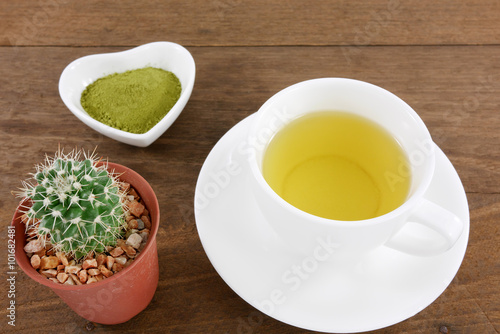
(165, 55)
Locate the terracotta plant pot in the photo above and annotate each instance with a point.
(120, 297)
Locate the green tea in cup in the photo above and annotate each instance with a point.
(337, 165)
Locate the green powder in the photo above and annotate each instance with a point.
(133, 101)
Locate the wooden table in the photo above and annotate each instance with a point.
(441, 57)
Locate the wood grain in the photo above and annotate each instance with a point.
(442, 58)
(255, 23)
(453, 91)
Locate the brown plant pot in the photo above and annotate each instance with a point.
(120, 297)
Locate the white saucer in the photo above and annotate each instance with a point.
(381, 289)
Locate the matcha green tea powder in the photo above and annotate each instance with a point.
(132, 101)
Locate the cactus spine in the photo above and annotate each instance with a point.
(76, 204)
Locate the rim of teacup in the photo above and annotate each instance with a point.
(411, 201)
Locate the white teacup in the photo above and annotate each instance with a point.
(301, 230)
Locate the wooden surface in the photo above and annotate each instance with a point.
(441, 57)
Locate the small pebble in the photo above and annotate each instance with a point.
(41, 253)
(134, 240)
(129, 250)
(89, 264)
(109, 262)
(136, 208)
(69, 281)
(49, 262)
(35, 261)
(101, 258)
(105, 271)
(75, 279)
(121, 260)
(93, 272)
(144, 236)
(51, 273)
(134, 193)
(117, 267)
(116, 252)
(82, 275)
(62, 258)
(62, 277)
(129, 232)
(89, 256)
(140, 224)
(33, 246)
(147, 222)
(133, 224)
(73, 269)
(91, 280)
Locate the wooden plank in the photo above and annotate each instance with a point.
(192, 298)
(457, 101)
(232, 82)
(237, 22)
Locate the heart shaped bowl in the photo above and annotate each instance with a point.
(84, 71)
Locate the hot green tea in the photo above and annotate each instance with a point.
(337, 165)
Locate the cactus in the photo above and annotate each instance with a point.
(76, 205)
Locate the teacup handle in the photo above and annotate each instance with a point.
(437, 218)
